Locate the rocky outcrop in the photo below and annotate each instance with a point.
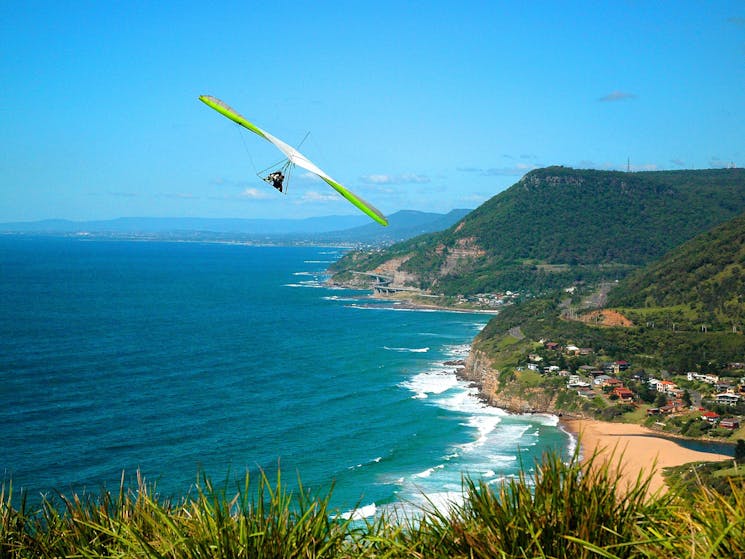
(392, 269)
(463, 254)
(507, 394)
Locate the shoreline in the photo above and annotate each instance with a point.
(407, 303)
(411, 305)
(633, 449)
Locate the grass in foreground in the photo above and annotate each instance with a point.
(558, 510)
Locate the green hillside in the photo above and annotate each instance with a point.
(559, 225)
(687, 308)
(679, 314)
(701, 281)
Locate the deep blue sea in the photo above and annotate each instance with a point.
(181, 358)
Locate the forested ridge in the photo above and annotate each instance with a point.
(560, 225)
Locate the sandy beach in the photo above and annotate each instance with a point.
(637, 449)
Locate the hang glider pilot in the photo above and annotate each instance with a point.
(276, 178)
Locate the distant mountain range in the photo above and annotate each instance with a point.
(342, 229)
(558, 225)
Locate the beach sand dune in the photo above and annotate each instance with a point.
(634, 449)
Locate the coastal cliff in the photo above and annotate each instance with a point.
(505, 393)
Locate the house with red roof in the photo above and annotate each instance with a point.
(623, 393)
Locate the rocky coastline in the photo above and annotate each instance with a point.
(478, 370)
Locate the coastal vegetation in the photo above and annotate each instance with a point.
(556, 509)
(662, 347)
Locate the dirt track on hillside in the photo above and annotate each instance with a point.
(606, 317)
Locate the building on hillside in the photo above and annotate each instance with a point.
(710, 416)
(730, 423)
(728, 399)
(724, 386)
(600, 380)
(613, 383)
(666, 386)
(576, 382)
(669, 408)
(709, 379)
(623, 394)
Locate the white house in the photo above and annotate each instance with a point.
(728, 399)
(666, 386)
(576, 382)
(600, 379)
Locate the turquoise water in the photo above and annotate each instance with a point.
(176, 358)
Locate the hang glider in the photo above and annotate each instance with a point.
(294, 157)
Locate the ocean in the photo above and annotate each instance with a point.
(183, 359)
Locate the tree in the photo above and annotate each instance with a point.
(661, 400)
(740, 451)
(687, 399)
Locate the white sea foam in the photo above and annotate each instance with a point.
(494, 440)
(418, 499)
(444, 501)
(394, 307)
(315, 284)
(363, 464)
(546, 419)
(407, 349)
(337, 298)
(363, 307)
(459, 350)
(361, 513)
(484, 424)
(425, 473)
(430, 382)
(429, 471)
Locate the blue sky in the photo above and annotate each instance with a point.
(412, 105)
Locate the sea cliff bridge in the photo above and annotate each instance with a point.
(382, 284)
